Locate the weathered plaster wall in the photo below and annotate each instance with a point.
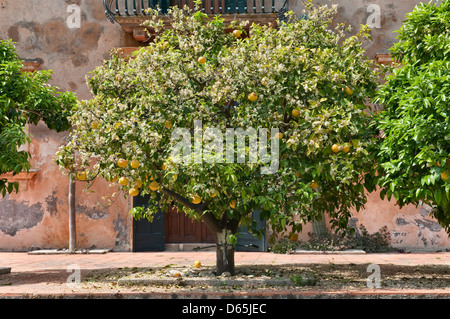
(358, 12)
(411, 228)
(38, 215)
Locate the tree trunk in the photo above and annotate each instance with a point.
(72, 224)
(222, 229)
(224, 253)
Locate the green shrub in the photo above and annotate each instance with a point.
(371, 243)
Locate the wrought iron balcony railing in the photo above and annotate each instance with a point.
(129, 8)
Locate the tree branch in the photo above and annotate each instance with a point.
(180, 199)
(212, 222)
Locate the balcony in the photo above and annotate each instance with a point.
(130, 14)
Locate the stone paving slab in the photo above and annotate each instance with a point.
(213, 282)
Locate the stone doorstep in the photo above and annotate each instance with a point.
(204, 281)
(65, 251)
(5, 270)
(190, 247)
(329, 252)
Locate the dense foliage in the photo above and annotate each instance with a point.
(25, 98)
(302, 78)
(414, 161)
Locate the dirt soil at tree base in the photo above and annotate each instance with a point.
(321, 279)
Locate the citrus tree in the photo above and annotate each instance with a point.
(25, 98)
(414, 161)
(173, 122)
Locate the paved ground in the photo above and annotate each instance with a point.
(47, 275)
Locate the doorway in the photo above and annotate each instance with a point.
(175, 227)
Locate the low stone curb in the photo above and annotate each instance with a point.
(329, 252)
(204, 282)
(288, 295)
(65, 251)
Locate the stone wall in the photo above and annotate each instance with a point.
(38, 215)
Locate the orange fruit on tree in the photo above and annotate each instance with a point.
(123, 181)
(113, 179)
(293, 237)
(138, 184)
(444, 175)
(279, 136)
(237, 33)
(253, 96)
(167, 124)
(335, 148)
(201, 60)
(154, 186)
(121, 162)
(295, 113)
(346, 148)
(95, 125)
(314, 185)
(133, 191)
(196, 199)
(81, 176)
(348, 91)
(134, 164)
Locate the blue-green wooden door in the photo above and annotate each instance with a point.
(248, 241)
